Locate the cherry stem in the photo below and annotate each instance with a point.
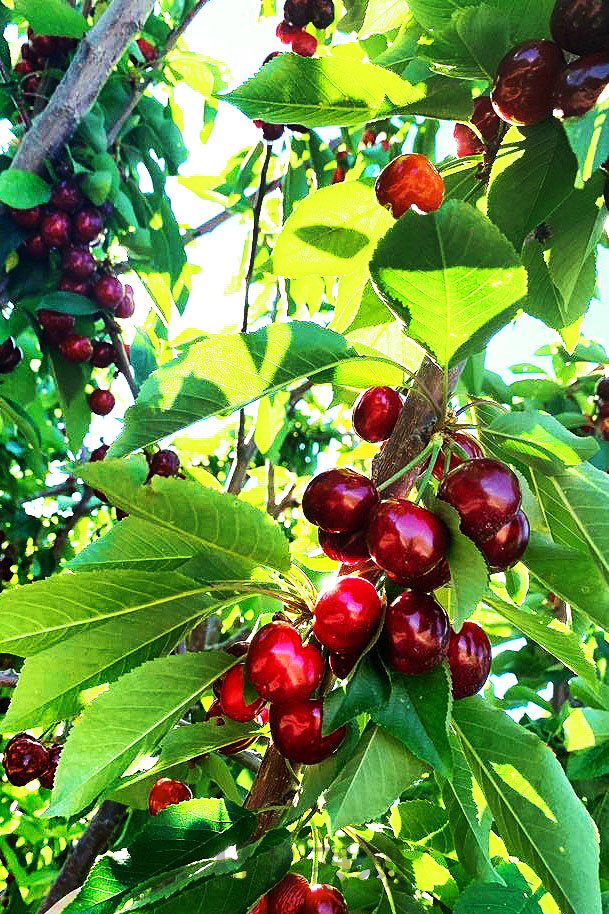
(316, 853)
(371, 854)
(122, 362)
(413, 463)
(437, 447)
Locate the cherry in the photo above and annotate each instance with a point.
(7, 348)
(577, 89)
(280, 667)
(23, 67)
(347, 548)
(603, 410)
(347, 615)
(602, 389)
(66, 196)
(580, 26)
(289, 896)
(101, 402)
(88, 225)
(45, 45)
(99, 453)
(103, 354)
(368, 137)
(375, 413)
(410, 180)
(339, 501)
(164, 463)
(270, 132)
(239, 649)
(12, 358)
(27, 53)
(30, 86)
(298, 12)
(285, 31)
(466, 443)
(322, 14)
(261, 906)
(47, 778)
(56, 325)
(55, 229)
(485, 493)
(426, 583)
(126, 307)
(75, 286)
(231, 697)
(338, 175)
(78, 261)
(508, 545)
(215, 713)
(416, 632)
(25, 759)
(36, 248)
(26, 218)
(522, 93)
(76, 348)
(405, 540)
(469, 658)
(488, 125)
(167, 792)
(296, 730)
(147, 50)
(108, 292)
(342, 664)
(304, 44)
(325, 899)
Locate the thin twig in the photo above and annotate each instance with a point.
(25, 114)
(122, 362)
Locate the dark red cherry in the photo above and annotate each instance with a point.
(101, 402)
(488, 125)
(347, 614)
(55, 229)
(347, 548)
(581, 26)
(25, 759)
(270, 132)
(56, 326)
(76, 348)
(147, 50)
(11, 360)
(469, 658)
(66, 196)
(75, 286)
(167, 792)
(88, 225)
(239, 649)
(99, 453)
(342, 664)
(296, 730)
(304, 44)
(26, 218)
(325, 899)
(485, 493)
(103, 354)
(30, 86)
(23, 67)
(409, 180)
(577, 89)
(322, 14)
(280, 667)
(603, 410)
(47, 779)
(602, 389)
(261, 906)
(508, 545)
(465, 443)
(375, 413)
(108, 292)
(426, 583)
(35, 247)
(126, 307)
(45, 45)
(339, 501)
(289, 896)
(78, 261)
(298, 12)
(232, 700)
(522, 93)
(285, 31)
(164, 463)
(405, 540)
(7, 348)
(415, 634)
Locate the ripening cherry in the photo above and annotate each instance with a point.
(103, 354)
(602, 389)
(466, 443)
(469, 658)
(579, 86)
(55, 227)
(486, 122)
(509, 543)
(66, 195)
(304, 44)
(280, 667)
(101, 402)
(376, 412)
(270, 132)
(167, 792)
(349, 549)
(147, 50)
(485, 493)
(298, 12)
(126, 307)
(25, 759)
(296, 730)
(405, 540)
(415, 634)
(410, 181)
(78, 261)
(108, 292)
(325, 899)
(339, 501)
(232, 699)
(288, 896)
(76, 348)
(347, 614)
(522, 93)
(75, 286)
(47, 778)
(322, 14)
(285, 31)
(164, 463)
(88, 224)
(580, 26)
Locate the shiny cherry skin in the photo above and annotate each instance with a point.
(487, 124)
(26, 218)
(577, 89)
(25, 759)
(602, 389)
(469, 658)
(466, 443)
(66, 195)
(261, 906)
(78, 262)
(126, 307)
(405, 540)
(347, 614)
(325, 899)
(101, 402)
(76, 348)
(375, 413)
(508, 545)
(285, 31)
(304, 44)
(88, 224)
(298, 12)
(580, 26)
(288, 896)
(103, 354)
(349, 549)
(232, 700)
(35, 247)
(75, 286)
(11, 361)
(339, 501)
(280, 667)
(47, 778)
(416, 632)
(322, 15)
(164, 463)
(485, 493)
(342, 664)
(167, 792)
(55, 228)
(108, 292)
(410, 180)
(56, 325)
(522, 93)
(270, 132)
(426, 583)
(99, 453)
(296, 730)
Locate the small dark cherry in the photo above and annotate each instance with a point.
(101, 402)
(78, 262)
(75, 286)
(325, 899)
(469, 658)
(296, 730)
(339, 501)
(167, 792)
(405, 540)
(88, 224)
(56, 325)
(76, 348)
(522, 92)
(66, 195)
(270, 132)
(26, 218)
(99, 453)
(36, 247)
(289, 896)
(126, 307)
(602, 389)
(147, 50)
(298, 12)
(508, 545)
(47, 779)
(466, 443)
(347, 615)
(11, 361)
(486, 122)
(304, 44)
(108, 292)
(426, 583)
(232, 699)
(322, 15)
(410, 180)
(164, 463)
(25, 759)
(350, 549)
(581, 26)
(280, 667)
(285, 31)
(485, 493)
(577, 89)
(375, 413)
(55, 227)
(103, 354)
(415, 634)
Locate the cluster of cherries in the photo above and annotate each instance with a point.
(68, 229)
(36, 54)
(27, 759)
(164, 463)
(10, 356)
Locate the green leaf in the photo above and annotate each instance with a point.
(379, 770)
(332, 232)
(537, 814)
(68, 303)
(472, 46)
(368, 688)
(527, 17)
(224, 373)
(417, 714)
(451, 277)
(128, 720)
(22, 190)
(383, 15)
(538, 440)
(18, 417)
(218, 770)
(416, 820)
(496, 899)
(589, 139)
(53, 17)
(468, 568)
(585, 727)
(70, 381)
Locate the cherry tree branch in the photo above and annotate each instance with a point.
(122, 361)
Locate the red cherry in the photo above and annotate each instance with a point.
(232, 700)
(338, 176)
(289, 896)
(485, 493)
(603, 410)
(296, 730)
(12, 361)
(280, 667)
(339, 501)
(286, 31)
(99, 453)
(426, 583)
(108, 292)
(347, 548)
(66, 196)
(466, 443)
(55, 229)
(580, 26)
(368, 137)
(522, 93)
(76, 348)
(304, 44)
(101, 402)
(261, 906)
(322, 14)
(88, 225)
(103, 354)
(342, 664)
(25, 759)
(23, 67)
(602, 389)
(469, 658)
(56, 326)
(215, 713)
(164, 463)
(238, 649)
(410, 180)
(405, 540)
(75, 286)
(298, 12)
(7, 348)
(35, 247)
(126, 307)
(45, 45)
(47, 779)
(375, 413)
(167, 793)
(508, 545)
(488, 125)
(30, 86)
(26, 218)
(347, 615)
(147, 50)
(577, 89)
(78, 261)
(415, 634)
(325, 899)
